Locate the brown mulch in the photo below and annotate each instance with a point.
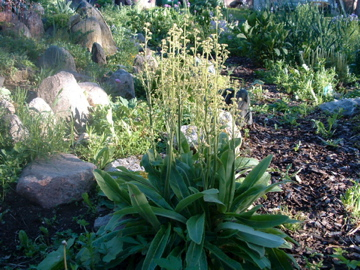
(320, 175)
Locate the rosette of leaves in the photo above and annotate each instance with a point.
(177, 216)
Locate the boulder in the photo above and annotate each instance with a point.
(57, 58)
(121, 83)
(225, 119)
(140, 61)
(98, 54)
(91, 22)
(40, 106)
(16, 129)
(95, 94)
(65, 97)
(7, 106)
(2, 80)
(347, 106)
(242, 99)
(131, 163)
(20, 75)
(56, 180)
(15, 27)
(32, 19)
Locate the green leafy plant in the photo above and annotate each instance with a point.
(339, 254)
(183, 222)
(315, 86)
(351, 200)
(263, 37)
(328, 130)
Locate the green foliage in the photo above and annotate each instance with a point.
(44, 133)
(263, 37)
(123, 127)
(16, 53)
(339, 254)
(351, 200)
(328, 130)
(310, 29)
(303, 82)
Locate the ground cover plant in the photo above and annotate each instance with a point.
(171, 224)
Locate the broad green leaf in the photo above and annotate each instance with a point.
(152, 194)
(193, 197)
(141, 204)
(157, 247)
(280, 260)
(55, 260)
(113, 248)
(227, 177)
(188, 201)
(255, 174)
(242, 162)
(170, 263)
(194, 255)
(168, 214)
(196, 228)
(219, 254)
(177, 183)
(213, 198)
(256, 256)
(111, 188)
(265, 221)
(248, 234)
(243, 201)
(258, 249)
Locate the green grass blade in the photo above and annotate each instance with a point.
(196, 228)
(156, 249)
(141, 204)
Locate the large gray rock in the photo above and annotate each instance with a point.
(15, 127)
(40, 106)
(32, 19)
(7, 106)
(14, 26)
(91, 22)
(141, 61)
(121, 83)
(57, 58)
(131, 163)
(95, 94)
(242, 101)
(194, 137)
(56, 180)
(347, 106)
(39, 109)
(98, 54)
(65, 97)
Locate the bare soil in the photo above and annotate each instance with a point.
(320, 173)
